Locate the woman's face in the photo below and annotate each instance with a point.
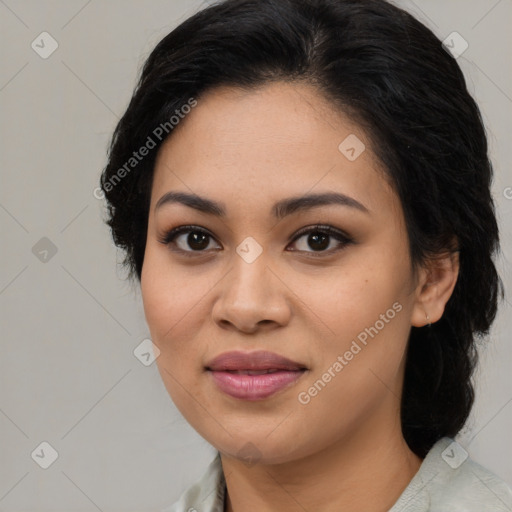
(338, 304)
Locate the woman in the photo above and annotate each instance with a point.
(302, 188)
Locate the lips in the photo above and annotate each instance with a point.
(253, 375)
(252, 372)
(260, 360)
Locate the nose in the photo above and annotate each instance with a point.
(252, 297)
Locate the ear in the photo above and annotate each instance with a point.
(435, 286)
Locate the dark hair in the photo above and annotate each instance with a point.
(389, 73)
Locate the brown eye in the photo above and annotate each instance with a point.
(319, 239)
(197, 240)
(188, 239)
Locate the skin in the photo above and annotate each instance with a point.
(344, 450)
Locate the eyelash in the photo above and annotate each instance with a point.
(341, 237)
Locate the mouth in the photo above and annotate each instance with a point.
(254, 375)
(254, 372)
(254, 385)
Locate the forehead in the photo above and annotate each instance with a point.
(258, 145)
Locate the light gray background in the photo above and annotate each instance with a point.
(68, 374)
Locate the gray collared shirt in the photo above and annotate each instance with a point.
(448, 480)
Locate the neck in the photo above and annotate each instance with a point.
(367, 470)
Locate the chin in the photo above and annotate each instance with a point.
(259, 447)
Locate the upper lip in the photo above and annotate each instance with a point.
(259, 360)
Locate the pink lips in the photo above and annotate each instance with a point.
(253, 375)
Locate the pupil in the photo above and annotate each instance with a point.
(195, 242)
(316, 237)
(199, 241)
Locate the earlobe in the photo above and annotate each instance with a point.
(435, 288)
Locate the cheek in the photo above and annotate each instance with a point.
(165, 308)
(364, 311)
(168, 295)
(353, 295)
(172, 310)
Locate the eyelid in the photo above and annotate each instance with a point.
(169, 236)
(322, 228)
(342, 237)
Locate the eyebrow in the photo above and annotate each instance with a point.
(281, 209)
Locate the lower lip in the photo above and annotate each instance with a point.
(254, 387)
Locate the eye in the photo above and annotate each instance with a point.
(192, 239)
(188, 239)
(319, 238)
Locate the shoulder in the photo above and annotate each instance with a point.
(450, 481)
(205, 495)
